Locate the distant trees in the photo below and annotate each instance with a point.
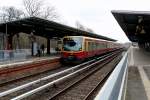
(79, 25)
(10, 13)
(50, 13)
(82, 27)
(32, 8)
(38, 9)
(89, 30)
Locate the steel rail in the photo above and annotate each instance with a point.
(76, 82)
(45, 78)
(113, 88)
(54, 82)
(39, 80)
(102, 81)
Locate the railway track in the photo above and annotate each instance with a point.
(42, 85)
(84, 87)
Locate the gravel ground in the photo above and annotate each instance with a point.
(32, 78)
(79, 91)
(135, 88)
(26, 80)
(147, 71)
(45, 94)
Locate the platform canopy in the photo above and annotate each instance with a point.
(136, 24)
(44, 28)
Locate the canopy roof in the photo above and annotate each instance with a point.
(44, 28)
(136, 24)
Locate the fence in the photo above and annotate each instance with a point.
(11, 55)
(115, 86)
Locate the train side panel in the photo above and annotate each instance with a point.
(90, 47)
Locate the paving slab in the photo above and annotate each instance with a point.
(135, 87)
(138, 86)
(138, 57)
(147, 71)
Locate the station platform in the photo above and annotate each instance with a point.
(138, 84)
(29, 60)
(16, 69)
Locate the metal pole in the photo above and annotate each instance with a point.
(6, 38)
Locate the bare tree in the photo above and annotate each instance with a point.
(89, 30)
(50, 13)
(80, 26)
(36, 8)
(10, 14)
(33, 7)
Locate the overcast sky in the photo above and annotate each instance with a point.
(94, 14)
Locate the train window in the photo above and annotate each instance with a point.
(108, 45)
(72, 44)
(96, 46)
(105, 45)
(93, 46)
(101, 45)
(90, 46)
(86, 46)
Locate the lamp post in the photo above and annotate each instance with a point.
(32, 39)
(6, 42)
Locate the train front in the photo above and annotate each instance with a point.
(72, 51)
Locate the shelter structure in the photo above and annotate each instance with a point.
(40, 27)
(136, 25)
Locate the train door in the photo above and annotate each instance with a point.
(86, 46)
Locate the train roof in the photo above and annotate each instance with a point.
(91, 38)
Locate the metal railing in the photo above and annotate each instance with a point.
(115, 86)
(13, 55)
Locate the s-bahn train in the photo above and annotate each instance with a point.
(78, 48)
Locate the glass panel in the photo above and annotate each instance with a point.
(72, 44)
(86, 46)
(1, 41)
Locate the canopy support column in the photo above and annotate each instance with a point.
(48, 46)
(9, 43)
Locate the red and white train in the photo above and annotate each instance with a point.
(79, 48)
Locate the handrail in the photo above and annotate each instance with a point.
(114, 88)
(7, 55)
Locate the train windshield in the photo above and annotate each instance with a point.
(72, 44)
